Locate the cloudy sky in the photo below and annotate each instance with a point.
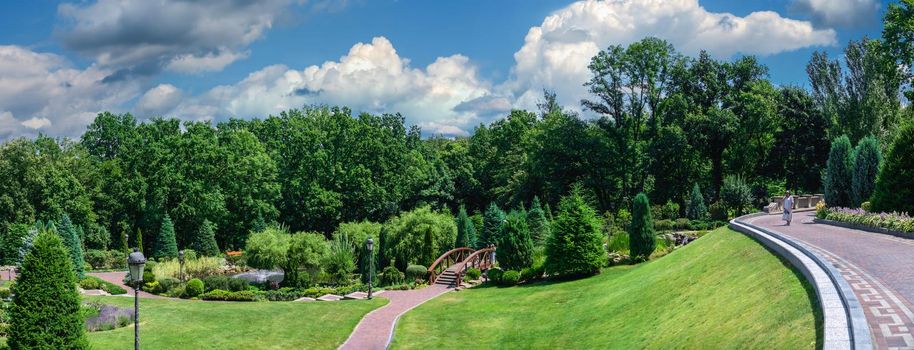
(445, 65)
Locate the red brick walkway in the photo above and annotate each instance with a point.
(877, 266)
(118, 279)
(376, 329)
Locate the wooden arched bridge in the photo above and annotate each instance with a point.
(451, 267)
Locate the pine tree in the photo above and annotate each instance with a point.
(70, 238)
(867, 160)
(466, 233)
(697, 209)
(575, 246)
(895, 185)
(536, 220)
(641, 231)
(491, 223)
(259, 224)
(205, 240)
(139, 240)
(166, 246)
(515, 247)
(839, 173)
(548, 211)
(45, 313)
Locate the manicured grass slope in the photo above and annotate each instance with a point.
(722, 291)
(184, 324)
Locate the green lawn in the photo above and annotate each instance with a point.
(722, 291)
(184, 324)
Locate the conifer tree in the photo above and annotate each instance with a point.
(205, 240)
(515, 247)
(466, 233)
(895, 185)
(839, 173)
(697, 209)
(70, 238)
(641, 231)
(45, 313)
(536, 220)
(575, 246)
(492, 221)
(166, 246)
(867, 160)
(139, 240)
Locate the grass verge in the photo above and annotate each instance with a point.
(722, 291)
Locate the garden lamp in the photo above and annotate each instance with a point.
(369, 243)
(136, 261)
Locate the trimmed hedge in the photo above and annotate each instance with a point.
(416, 272)
(223, 295)
(92, 282)
(510, 278)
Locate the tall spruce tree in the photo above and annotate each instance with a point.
(70, 238)
(575, 247)
(46, 307)
(839, 173)
(641, 231)
(491, 223)
(466, 232)
(697, 209)
(895, 185)
(205, 240)
(515, 247)
(537, 221)
(867, 160)
(166, 246)
(139, 240)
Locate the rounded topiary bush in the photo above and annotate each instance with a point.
(510, 278)
(416, 272)
(194, 288)
(494, 274)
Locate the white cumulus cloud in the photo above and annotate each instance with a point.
(840, 13)
(158, 100)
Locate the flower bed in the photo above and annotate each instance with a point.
(107, 317)
(898, 222)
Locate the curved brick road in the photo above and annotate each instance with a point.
(375, 330)
(877, 266)
(118, 279)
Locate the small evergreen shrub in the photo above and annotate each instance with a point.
(494, 274)
(510, 278)
(391, 276)
(681, 224)
(194, 288)
(641, 231)
(416, 272)
(696, 209)
(473, 274)
(5, 293)
(97, 259)
(670, 210)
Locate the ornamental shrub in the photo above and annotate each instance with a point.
(225, 283)
(416, 273)
(223, 295)
(205, 239)
(718, 212)
(494, 274)
(89, 283)
(736, 194)
(867, 160)
(339, 262)
(391, 276)
(670, 210)
(473, 274)
(45, 313)
(839, 173)
(515, 247)
(641, 231)
(537, 222)
(895, 185)
(575, 246)
(527, 274)
(491, 224)
(70, 238)
(97, 259)
(466, 232)
(194, 288)
(306, 254)
(510, 278)
(696, 209)
(165, 245)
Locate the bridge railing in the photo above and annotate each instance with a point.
(445, 261)
(481, 259)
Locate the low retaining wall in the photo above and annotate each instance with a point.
(864, 228)
(845, 324)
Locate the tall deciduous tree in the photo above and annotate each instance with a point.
(801, 143)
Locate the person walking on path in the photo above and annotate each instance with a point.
(788, 208)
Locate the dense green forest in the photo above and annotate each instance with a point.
(657, 122)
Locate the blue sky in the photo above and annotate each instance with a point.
(447, 65)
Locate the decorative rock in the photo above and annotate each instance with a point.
(330, 297)
(305, 299)
(356, 296)
(94, 292)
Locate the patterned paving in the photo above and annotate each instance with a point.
(860, 258)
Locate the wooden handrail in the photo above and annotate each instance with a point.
(450, 257)
(481, 259)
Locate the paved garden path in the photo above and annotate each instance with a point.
(878, 267)
(117, 278)
(375, 331)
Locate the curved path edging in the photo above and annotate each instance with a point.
(375, 331)
(845, 325)
(880, 230)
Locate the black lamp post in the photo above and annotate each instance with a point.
(136, 261)
(181, 262)
(369, 243)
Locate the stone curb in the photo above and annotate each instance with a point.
(859, 227)
(845, 325)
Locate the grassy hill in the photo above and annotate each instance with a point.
(722, 291)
